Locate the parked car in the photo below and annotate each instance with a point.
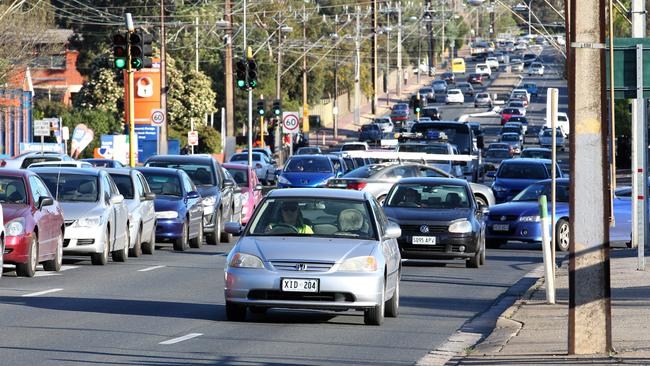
(305, 242)
(24, 160)
(448, 77)
(216, 192)
(439, 87)
(251, 189)
(454, 96)
(140, 202)
(516, 174)
(439, 219)
(264, 168)
(96, 216)
(369, 133)
(33, 221)
(62, 164)
(466, 88)
(104, 163)
(482, 100)
(536, 153)
(475, 78)
(306, 171)
(309, 150)
(178, 206)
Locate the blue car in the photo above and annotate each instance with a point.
(516, 174)
(531, 88)
(307, 171)
(519, 220)
(104, 163)
(179, 213)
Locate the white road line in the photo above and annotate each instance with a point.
(42, 292)
(181, 339)
(150, 268)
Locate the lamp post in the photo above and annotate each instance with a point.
(530, 3)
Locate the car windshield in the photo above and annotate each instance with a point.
(457, 134)
(164, 184)
(318, 217)
(124, 185)
(510, 111)
(482, 96)
(436, 196)
(422, 148)
(368, 128)
(522, 171)
(240, 176)
(353, 147)
(400, 107)
(201, 174)
(534, 191)
(309, 165)
(536, 154)
(72, 187)
(518, 119)
(12, 190)
(498, 154)
(244, 157)
(509, 137)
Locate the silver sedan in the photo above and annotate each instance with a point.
(315, 249)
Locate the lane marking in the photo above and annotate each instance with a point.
(150, 268)
(42, 292)
(181, 339)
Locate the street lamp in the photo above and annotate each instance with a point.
(530, 3)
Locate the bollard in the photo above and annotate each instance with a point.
(546, 250)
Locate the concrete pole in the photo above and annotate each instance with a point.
(400, 75)
(443, 45)
(589, 330)
(162, 137)
(419, 49)
(357, 72)
(375, 65)
(248, 54)
(432, 41)
(228, 77)
(387, 75)
(196, 44)
(530, 3)
(305, 107)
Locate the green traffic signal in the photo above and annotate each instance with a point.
(136, 63)
(252, 83)
(241, 83)
(120, 63)
(417, 109)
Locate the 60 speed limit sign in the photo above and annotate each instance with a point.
(290, 122)
(157, 117)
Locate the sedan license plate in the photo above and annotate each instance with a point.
(500, 227)
(300, 285)
(425, 240)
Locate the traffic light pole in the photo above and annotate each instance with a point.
(131, 97)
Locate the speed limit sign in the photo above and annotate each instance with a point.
(157, 117)
(290, 122)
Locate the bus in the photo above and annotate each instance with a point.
(458, 65)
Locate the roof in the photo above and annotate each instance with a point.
(435, 180)
(118, 171)
(527, 161)
(66, 170)
(309, 156)
(537, 149)
(163, 171)
(236, 166)
(348, 194)
(6, 172)
(181, 158)
(56, 36)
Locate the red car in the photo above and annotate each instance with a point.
(475, 79)
(251, 188)
(506, 113)
(33, 223)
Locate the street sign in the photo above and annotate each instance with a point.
(42, 127)
(192, 138)
(627, 60)
(290, 122)
(157, 117)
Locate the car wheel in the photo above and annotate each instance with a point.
(100, 259)
(198, 241)
(235, 312)
(375, 314)
(136, 251)
(28, 269)
(150, 246)
(213, 237)
(181, 243)
(54, 264)
(562, 233)
(381, 199)
(494, 243)
(480, 200)
(123, 254)
(475, 261)
(392, 305)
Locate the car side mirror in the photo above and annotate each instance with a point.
(193, 194)
(149, 196)
(45, 201)
(258, 187)
(491, 174)
(116, 199)
(274, 162)
(393, 231)
(234, 228)
(228, 184)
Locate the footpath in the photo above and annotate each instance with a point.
(532, 332)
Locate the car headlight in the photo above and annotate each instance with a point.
(283, 180)
(461, 227)
(359, 264)
(243, 260)
(498, 188)
(209, 201)
(89, 221)
(166, 215)
(533, 218)
(16, 227)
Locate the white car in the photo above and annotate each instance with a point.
(483, 69)
(492, 62)
(62, 164)
(455, 96)
(521, 46)
(22, 161)
(96, 216)
(385, 124)
(264, 167)
(355, 146)
(562, 123)
(525, 92)
(536, 68)
(140, 202)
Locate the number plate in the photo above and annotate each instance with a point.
(500, 227)
(426, 240)
(299, 285)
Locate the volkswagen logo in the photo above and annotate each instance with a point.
(503, 218)
(301, 267)
(305, 181)
(424, 229)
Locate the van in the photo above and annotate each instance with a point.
(458, 66)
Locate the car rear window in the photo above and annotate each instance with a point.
(12, 190)
(124, 185)
(240, 176)
(522, 171)
(72, 187)
(164, 184)
(369, 127)
(435, 196)
(201, 174)
(309, 165)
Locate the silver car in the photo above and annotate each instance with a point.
(312, 248)
(263, 165)
(96, 216)
(142, 216)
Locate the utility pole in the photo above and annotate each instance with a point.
(336, 79)
(357, 71)
(131, 96)
(443, 46)
(432, 41)
(248, 54)
(639, 148)
(387, 75)
(400, 75)
(196, 44)
(228, 80)
(305, 108)
(375, 64)
(162, 132)
(492, 21)
(419, 48)
(589, 329)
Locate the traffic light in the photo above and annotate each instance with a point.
(260, 107)
(240, 69)
(141, 50)
(277, 107)
(147, 49)
(417, 107)
(252, 74)
(119, 51)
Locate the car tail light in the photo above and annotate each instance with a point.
(3, 163)
(258, 166)
(356, 185)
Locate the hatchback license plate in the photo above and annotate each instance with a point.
(426, 240)
(300, 285)
(500, 227)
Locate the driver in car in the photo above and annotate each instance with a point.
(291, 217)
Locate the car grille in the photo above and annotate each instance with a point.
(498, 218)
(415, 229)
(300, 296)
(306, 266)
(66, 242)
(446, 248)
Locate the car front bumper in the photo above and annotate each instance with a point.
(169, 229)
(448, 246)
(517, 231)
(84, 240)
(17, 249)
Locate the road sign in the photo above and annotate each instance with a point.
(290, 122)
(627, 61)
(157, 117)
(41, 127)
(192, 138)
